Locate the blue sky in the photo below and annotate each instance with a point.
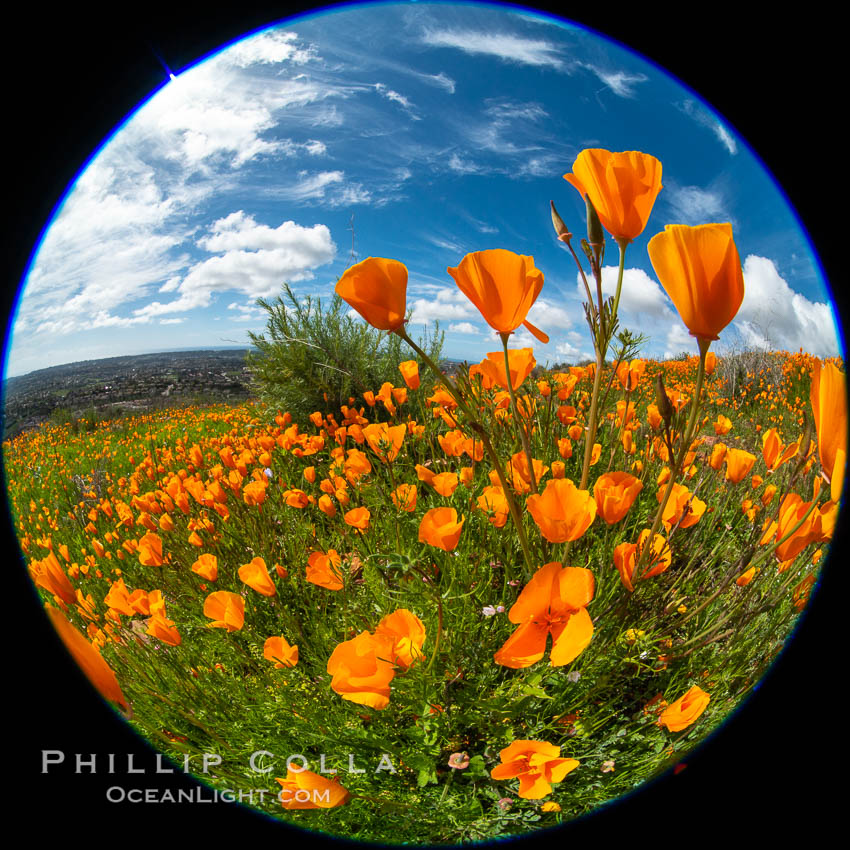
(441, 130)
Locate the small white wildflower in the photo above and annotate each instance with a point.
(267, 472)
(573, 676)
(488, 610)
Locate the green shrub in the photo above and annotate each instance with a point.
(314, 357)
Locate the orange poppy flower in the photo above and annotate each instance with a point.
(48, 574)
(723, 425)
(254, 493)
(96, 670)
(718, 456)
(384, 440)
(700, 270)
(536, 763)
(774, 452)
(493, 502)
(791, 511)
(295, 498)
(280, 653)
(362, 671)
(404, 497)
(518, 476)
(206, 567)
(503, 286)
(303, 789)
(326, 505)
(406, 632)
(377, 289)
(163, 629)
(553, 602)
(615, 493)
(621, 186)
(681, 504)
(226, 609)
(520, 361)
(626, 557)
(150, 550)
(440, 527)
(445, 483)
(829, 404)
(738, 465)
(256, 575)
(685, 710)
(324, 569)
(629, 373)
(358, 518)
(410, 372)
(562, 512)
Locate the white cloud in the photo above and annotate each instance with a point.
(620, 82)
(268, 48)
(172, 321)
(774, 316)
(679, 341)
(463, 166)
(464, 328)
(309, 186)
(706, 119)
(442, 80)
(253, 258)
(572, 353)
(547, 316)
(445, 304)
(692, 205)
(395, 97)
(508, 48)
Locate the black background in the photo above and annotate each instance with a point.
(71, 76)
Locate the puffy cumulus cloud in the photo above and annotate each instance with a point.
(573, 349)
(443, 304)
(508, 48)
(547, 316)
(643, 308)
(774, 316)
(126, 228)
(679, 341)
(464, 328)
(252, 258)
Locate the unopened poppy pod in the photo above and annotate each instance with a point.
(700, 270)
(377, 289)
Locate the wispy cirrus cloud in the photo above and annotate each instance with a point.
(703, 117)
(504, 46)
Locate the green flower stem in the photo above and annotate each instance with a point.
(621, 244)
(675, 469)
(519, 423)
(488, 447)
(590, 435)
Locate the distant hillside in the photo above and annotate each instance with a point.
(117, 385)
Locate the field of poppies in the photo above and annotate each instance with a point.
(455, 608)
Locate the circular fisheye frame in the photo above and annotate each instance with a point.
(423, 424)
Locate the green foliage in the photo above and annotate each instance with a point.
(314, 357)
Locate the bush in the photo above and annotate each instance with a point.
(314, 357)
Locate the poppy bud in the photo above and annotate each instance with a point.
(595, 235)
(558, 223)
(662, 401)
